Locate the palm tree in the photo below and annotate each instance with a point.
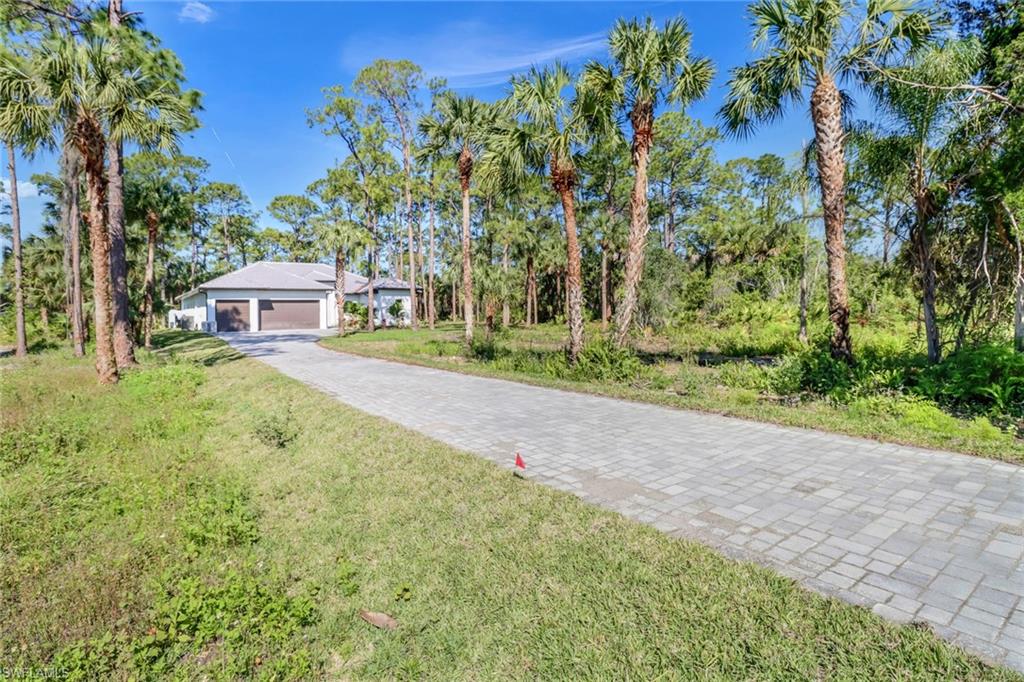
(923, 151)
(70, 166)
(810, 44)
(165, 111)
(21, 344)
(157, 201)
(18, 127)
(459, 127)
(543, 131)
(337, 227)
(651, 66)
(80, 85)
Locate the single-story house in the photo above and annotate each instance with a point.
(273, 296)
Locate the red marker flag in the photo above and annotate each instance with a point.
(520, 464)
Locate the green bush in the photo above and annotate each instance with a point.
(987, 379)
(359, 311)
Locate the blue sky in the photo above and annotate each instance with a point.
(261, 64)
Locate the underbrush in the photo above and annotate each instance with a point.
(129, 552)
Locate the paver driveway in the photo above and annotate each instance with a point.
(912, 534)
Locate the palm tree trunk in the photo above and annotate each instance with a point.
(465, 172)
(152, 227)
(339, 287)
(69, 215)
(90, 139)
(124, 347)
(563, 181)
(642, 118)
(21, 343)
(431, 300)
(506, 309)
(827, 114)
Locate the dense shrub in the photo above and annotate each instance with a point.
(989, 378)
(600, 360)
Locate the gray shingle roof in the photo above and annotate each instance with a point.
(295, 276)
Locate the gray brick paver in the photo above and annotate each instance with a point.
(910, 533)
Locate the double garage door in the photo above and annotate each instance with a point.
(233, 316)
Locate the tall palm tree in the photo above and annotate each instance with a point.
(21, 343)
(80, 85)
(19, 127)
(460, 126)
(651, 66)
(159, 72)
(337, 226)
(923, 151)
(543, 132)
(810, 44)
(70, 167)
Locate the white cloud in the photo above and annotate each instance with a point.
(470, 54)
(197, 12)
(26, 190)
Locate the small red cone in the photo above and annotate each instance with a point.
(520, 464)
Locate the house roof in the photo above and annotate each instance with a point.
(293, 276)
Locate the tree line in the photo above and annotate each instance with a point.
(544, 204)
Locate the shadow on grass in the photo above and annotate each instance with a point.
(194, 346)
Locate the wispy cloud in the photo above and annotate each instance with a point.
(26, 190)
(196, 12)
(470, 54)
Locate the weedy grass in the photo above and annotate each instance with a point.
(972, 403)
(148, 530)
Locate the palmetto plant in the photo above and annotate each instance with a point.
(540, 130)
(460, 126)
(651, 66)
(809, 45)
(78, 87)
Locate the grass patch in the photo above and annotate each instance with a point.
(890, 396)
(148, 530)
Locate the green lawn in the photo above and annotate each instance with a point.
(677, 373)
(209, 517)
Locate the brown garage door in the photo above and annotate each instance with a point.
(289, 314)
(233, 316)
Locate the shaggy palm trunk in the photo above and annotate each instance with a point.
(506, 309)
(339, 286)
(124, 345)
(564, 183)
(465, 173)
(89, 137)
(431, 299)
(827, 115)
(69, 215)
(21, 343)
(642, 119)
(152, 228)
